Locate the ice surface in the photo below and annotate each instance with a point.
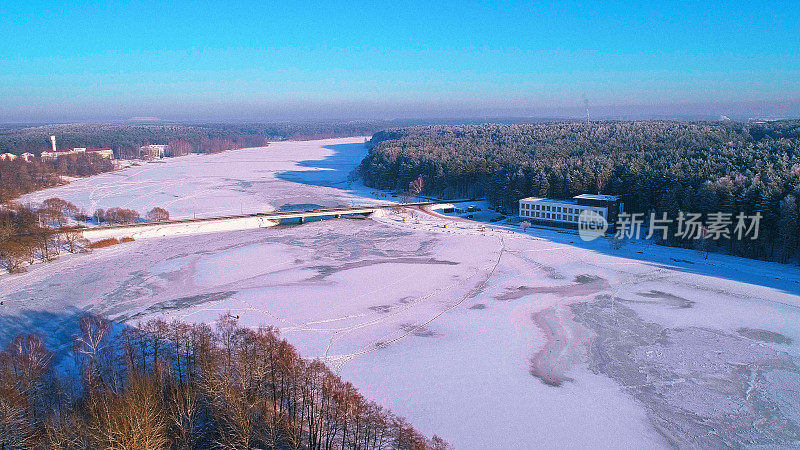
(233, 182)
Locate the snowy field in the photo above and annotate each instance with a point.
(486, 336)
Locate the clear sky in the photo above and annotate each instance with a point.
(262, 60)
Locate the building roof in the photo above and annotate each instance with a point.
(69, 151)
(607, 198)
(546, 200)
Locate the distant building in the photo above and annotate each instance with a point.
(27, 157)
(565, 213)
(153, 151)
(50, 155)
(101, 152)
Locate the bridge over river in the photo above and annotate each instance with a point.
(237, 222)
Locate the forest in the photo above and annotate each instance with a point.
(18, 177)
(178, 385)
(126, 138)
(654, 166)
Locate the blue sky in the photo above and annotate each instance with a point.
(182, 60)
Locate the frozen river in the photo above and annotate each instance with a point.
(490, 338)
(233, 182)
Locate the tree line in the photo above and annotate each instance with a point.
(177, 385)
(654, 166)
(125, 139)
(18, 177)
(26, 235)
(27, 232)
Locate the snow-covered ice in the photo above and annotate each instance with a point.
(232, 182)
(487, 336)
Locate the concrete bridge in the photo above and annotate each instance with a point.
(234, 222)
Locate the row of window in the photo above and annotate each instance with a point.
(549, 215)
(551, 208)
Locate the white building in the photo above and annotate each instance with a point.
(50, 155)
(8, 157)
(566, 212)
(28, 157)
(101, 152)
(153, 151)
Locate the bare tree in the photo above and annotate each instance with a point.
(414, 189)
(132, 419)
(188, 386)
(121, 215)
(158, 214)
(14, 252)
(74, 239)
(89, 348)
(23, 365)
(58, 210)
